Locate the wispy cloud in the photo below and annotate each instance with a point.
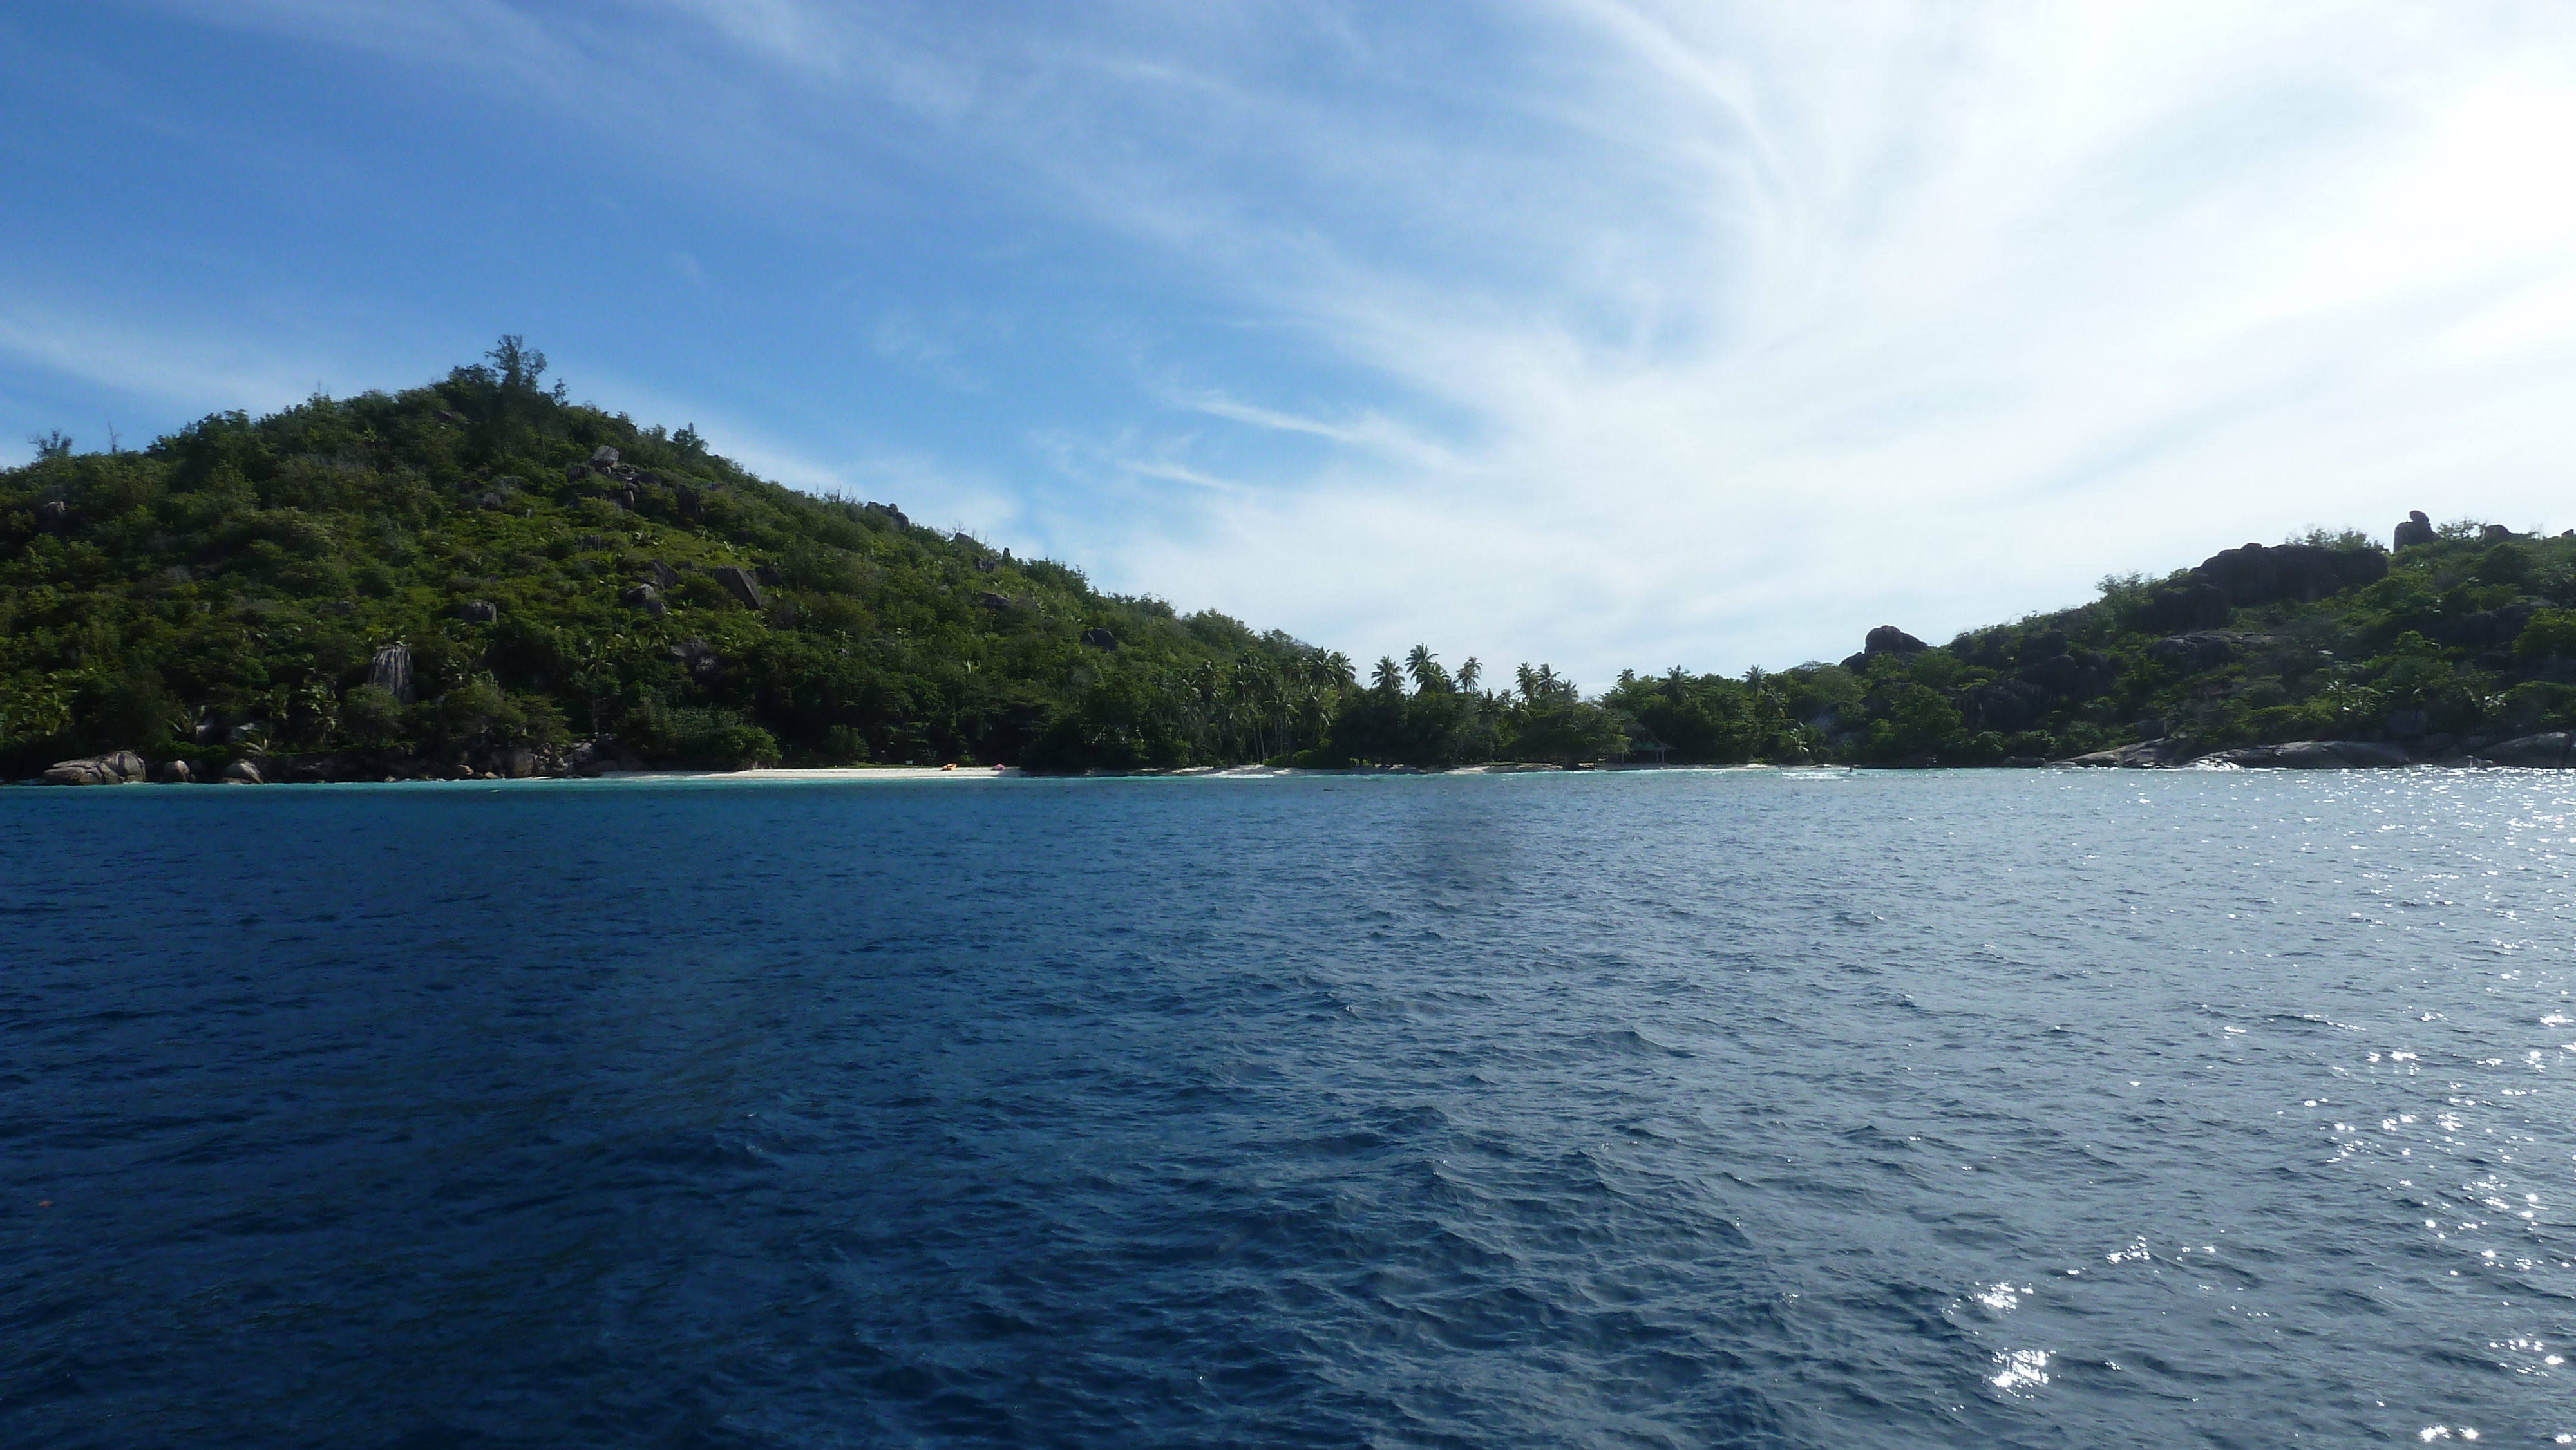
(1622, 332)
(2085, 293)
(1120, 469)
(158, 366)
(934, 353)
(1373, 432)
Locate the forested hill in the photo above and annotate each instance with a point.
(2451, 642)
(425, 581)
(480, 576)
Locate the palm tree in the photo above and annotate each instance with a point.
(1387, 676)
(1424, 667)
(1251, 699)
(1233, 712)
(1469, 673)
(1326, 676)
(1200, 688)
(595, 673)
(1542, 684)
(1280, 682)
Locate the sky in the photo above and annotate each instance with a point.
(1610, 335)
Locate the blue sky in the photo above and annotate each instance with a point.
(1608, 334)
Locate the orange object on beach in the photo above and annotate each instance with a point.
(952, 765)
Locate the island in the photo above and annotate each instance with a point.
(481, 578)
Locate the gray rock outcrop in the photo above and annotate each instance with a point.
(118, 767)
(2185, 604)
(479, 611)
(741, 586)
(1886, 639)
(1099, 639)
(391, 670)
(2553, 751)
(2416, 530)
(243, 772)
(591, 757)
(173, 772)
(664, 576)
(2315, 755)
(2258, 574)
(2145, 755)
(603, 457)
(696, 656)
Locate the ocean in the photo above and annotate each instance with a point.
(1763, 1108)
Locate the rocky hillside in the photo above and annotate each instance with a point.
(481, 577)
(2450, 643)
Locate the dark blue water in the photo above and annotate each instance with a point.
(1679, 1109)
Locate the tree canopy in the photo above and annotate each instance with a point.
(425, 578)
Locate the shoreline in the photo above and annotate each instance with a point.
(910, 774)
(2111, 762)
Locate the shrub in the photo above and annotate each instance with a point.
(715, 739)
(2551, 634)
(132, 710)
(371, 717)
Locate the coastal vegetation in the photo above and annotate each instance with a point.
(481, 575)
(2454, 639)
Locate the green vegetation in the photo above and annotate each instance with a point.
(436, 581)
(2462, 639)
(430, 581)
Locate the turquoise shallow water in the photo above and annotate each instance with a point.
(2003, 1108)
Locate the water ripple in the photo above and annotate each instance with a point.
(1676, 1109)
